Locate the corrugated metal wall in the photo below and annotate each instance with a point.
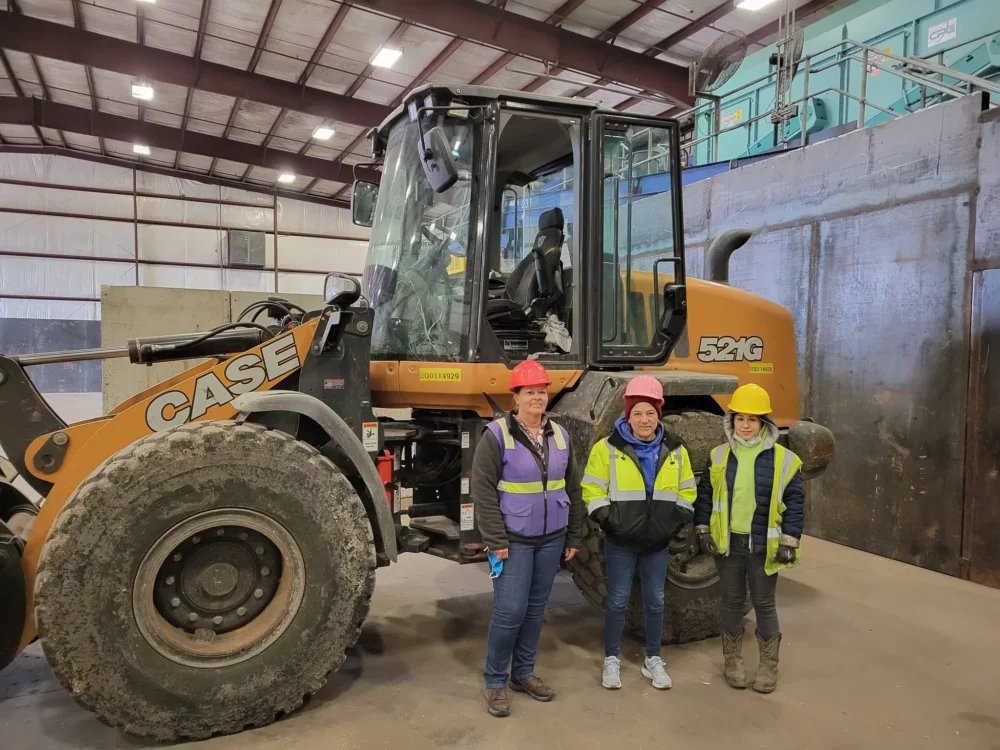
(869, 240)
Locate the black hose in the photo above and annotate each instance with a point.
(263, 303)
(216, 331)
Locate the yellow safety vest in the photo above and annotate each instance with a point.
(786, 464)
(610, 480)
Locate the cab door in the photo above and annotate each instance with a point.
(635, 248)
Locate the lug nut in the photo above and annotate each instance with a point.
(258, 594)
(265, 571)
(220, 532)
(241, 611)
(178, 557)
(243, 537)
(195, 539)
(193, 617)
(259, 550)
(170, 581)
(217, 620)
(175, 602)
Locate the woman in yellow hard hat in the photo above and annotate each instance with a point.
(749, 515)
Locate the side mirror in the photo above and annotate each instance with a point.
(340, 289)
(435, 156)
(363, 197)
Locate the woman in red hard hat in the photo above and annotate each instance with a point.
(639, 488)
(749, 514)
(526, 493)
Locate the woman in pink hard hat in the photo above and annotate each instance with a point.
(639, 488)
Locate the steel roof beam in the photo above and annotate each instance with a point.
(47, 114)
(53, 40)
(524, 36)
(167, 171)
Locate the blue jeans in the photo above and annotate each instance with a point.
(520, 594)
(621, 570)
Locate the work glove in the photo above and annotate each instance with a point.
(600, 516)
(786, 555)
(706, 542)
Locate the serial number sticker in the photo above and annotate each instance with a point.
(467, 519)
(465, 485)
(369, 436)
(440, 374)
(333, 384)
(761, 368)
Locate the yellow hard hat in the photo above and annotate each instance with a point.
(750, 399)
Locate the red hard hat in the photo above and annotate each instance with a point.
(645, 387)
(528, 373)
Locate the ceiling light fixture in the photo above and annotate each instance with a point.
(138, 148)
(386, 57)
(753, 4)
(323, 134)
(286, 178)
(142, 91)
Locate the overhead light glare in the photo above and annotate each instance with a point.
(323, 134)
(753, 4)
(142, 91)
(146, 1)
(138, 148)
(386, 57)
(286, 178)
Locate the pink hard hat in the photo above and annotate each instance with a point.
(643, 389)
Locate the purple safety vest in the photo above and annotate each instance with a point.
(531, 506)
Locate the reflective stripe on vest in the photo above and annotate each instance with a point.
(508, 439)
(530, 488)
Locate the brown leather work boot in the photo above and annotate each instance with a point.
(533, 687)
(497, 703)
(732, 652)
(767, 672)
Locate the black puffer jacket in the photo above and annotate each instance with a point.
(763, 479)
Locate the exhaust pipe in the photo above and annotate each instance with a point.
(717, 256)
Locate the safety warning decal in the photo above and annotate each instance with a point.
(761, 368)
(440, 374)
(465, 485)
(369, 436)
(467, 519)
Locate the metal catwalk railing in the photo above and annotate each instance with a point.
(922, 72)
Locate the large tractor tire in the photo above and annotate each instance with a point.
(693, 592)
(204, 580)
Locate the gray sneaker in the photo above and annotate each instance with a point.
(612, 679)
(653, 670)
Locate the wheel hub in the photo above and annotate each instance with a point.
(218, 587)
(218, 579)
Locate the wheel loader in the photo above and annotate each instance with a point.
(200, 558)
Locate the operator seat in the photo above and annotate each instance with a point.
(535, 286)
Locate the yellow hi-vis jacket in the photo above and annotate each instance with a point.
(613, 480)
(786, 466)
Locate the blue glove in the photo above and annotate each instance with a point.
(496, 564)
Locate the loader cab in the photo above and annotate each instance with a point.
(510, 226)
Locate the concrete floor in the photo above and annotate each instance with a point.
(876, 655)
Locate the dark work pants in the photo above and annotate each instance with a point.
(737, 570)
